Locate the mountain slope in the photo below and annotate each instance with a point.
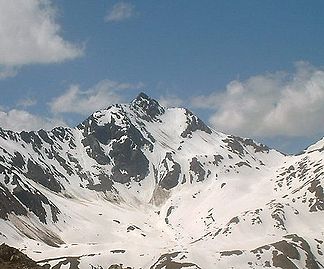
(152, 187)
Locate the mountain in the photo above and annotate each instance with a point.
(140, 185)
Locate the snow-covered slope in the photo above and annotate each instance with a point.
(152, 187)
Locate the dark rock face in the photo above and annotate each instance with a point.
(11, 258)
(167, 261)
(106, 184)
(9, 204)
(146, 107)
(171, 178)
(240, 164)
(287, 251)
(197, 169)
(278, 215)
(95, 151)
(169, 211)
(236, 145)
(194, 124)
(23, 195)
(256, 146)
(32, 139)
(231, 252)
(125, 141)
(19, 167)
(37, 173)
(316, 204)
(93, 136)
(33, 201)
(17, 160)
(130, 162)
(217, 159)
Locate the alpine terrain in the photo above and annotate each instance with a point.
(140, 185)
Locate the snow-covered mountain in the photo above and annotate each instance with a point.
(152, 187)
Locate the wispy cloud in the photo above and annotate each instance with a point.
(84, 102)
(270, 105)
(120, 12)
(171, 100)
(7, 71)
(22, 120)
(26, 102)
(29, 34)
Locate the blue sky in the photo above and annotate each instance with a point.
(251, 68)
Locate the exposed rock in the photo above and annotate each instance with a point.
(287, 252)
(171, 178)
(146, 107)
(9, 203)
(231, 252)
(194, 124)
(11, 258)
(43, 177)
(317, 203)
(196, 168)
(168, 261)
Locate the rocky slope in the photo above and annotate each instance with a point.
(145, 186)
(11, 258)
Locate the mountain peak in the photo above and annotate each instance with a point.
(147, 105)
(142, 95)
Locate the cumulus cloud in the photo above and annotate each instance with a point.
(29, 34)
(120, 12)
(277, 104)
(21, 120)
(84, 102)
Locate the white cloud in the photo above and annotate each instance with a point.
(120, 11)
(170, 101)
(103, 94)
(29, 34)
(21, 120)
(270, 105)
